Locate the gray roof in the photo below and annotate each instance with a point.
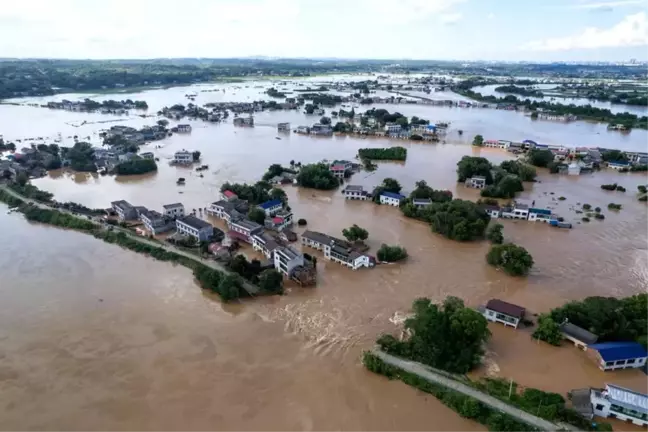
(422, 201)
(581, 402)
(122, 204)
(174, 205)
(521, 206)
(194, 222)
(151, 214)
(247, 224)
(290, 252)
(354, 188)
(226, 205)
(478, 178)
(578, 333)
(317, 237)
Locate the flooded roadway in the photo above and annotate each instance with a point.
(101, 338)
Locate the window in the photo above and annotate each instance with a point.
(630, 361)
(599, 407)
(609, 363)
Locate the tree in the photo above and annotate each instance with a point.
(317, 176)
(230, 287)
(391, 185)
(391, 253)
(423, 191)
(478, 141)
(280, 194)
(494, 234)
(302, 222)
(273, 171)
(548, 330)
(513, 259)
(507, 187)
(470, 166)
(271, 281)
(355, 233)
(81, 157)
(522, 170)
(540, 158)
(163, 122)
(196, 155)
(136, 166)
(449, 336)
(325, 120)
(256, 215)
(457, 219)
(22, 178)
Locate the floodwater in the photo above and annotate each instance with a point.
(101, 338)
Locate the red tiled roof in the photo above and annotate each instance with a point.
(277, 220)
(235, 235)
(229, 194)
(337, 168)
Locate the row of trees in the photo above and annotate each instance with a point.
(389, 153)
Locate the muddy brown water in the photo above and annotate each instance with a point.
(95, 337)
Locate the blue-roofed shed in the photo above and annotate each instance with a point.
(393, 195)
(271, 207)
(619, 355)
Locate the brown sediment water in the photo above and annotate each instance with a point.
(95, 337)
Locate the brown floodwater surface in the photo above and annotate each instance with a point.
(96, 337)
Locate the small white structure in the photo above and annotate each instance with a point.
(621, 403)
(393, 128)
(391, 198)
(184, 128)
(283, 127)
(194, 227)
(539, 215)
(174, 211)
(506, 313)
(574, 169)
(421, 202)
(264, 243)
(495, 212)
(477, 182)
(183, 157)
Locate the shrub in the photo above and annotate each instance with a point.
(513, 259)
(391, 253)
(585, 219)
(562, 198)
(599, 216)
(613, 206)
(301, 222)
(586, 206)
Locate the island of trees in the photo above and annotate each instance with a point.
(522, 91)
(317, 176)
(503, 181)
(389, 153)
(136, 166)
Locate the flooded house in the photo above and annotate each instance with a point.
(283, 127)
(337, 250)
(503, 312)
(264, 243)
(271, 207)
(287, 260)
(618, 355)
(579, 336)
(391, 198)
(620, 403)
(355, 192)
(155, 222)
(183, 157)
(420, 203)
(173, 211)
(125, 210)
(476, 182)
(244, 229)
(194, 227)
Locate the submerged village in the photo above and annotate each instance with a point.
(248, 239)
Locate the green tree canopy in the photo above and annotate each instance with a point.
(355, 233)
(391, 253)
(470, 166)
(478, 141)
(548, 330)
(317, 176)
(513, 259)
(540, 158)
(494, 233)
(448, 336)
(457, 219)
(256, 215)
(271, 281)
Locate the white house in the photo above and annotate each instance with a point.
(393, 128)
(183, 157)
(618, 355)
(421, 202)
(621, 403)
(503, 312)
(194, 227)
(477, 182)
(574, 169)
(391, 198)
(124, 210)
(271, 207)
(336, 250)
(618, 165)
(264, 243)
(286, 259)
(155, 222)
(246, 228)
(520, 211)
(579, 336)
(184, 128)
(493, 211)
(355, 192)
(174, 211)
(283, 127)
(539, 215)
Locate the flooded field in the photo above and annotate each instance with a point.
(98, 337)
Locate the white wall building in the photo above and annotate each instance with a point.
(621, 403)
(354, 192)
(503, 312)
(183, 157)
(286, 259)
(391, 198)
(194, 227)
(174, 211)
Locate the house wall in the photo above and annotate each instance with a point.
(620, 364)
(272, 210)
(175, 212)
(389, 201)
(355, 195)
(286, 266)
(202, 234)
(603, 408)
(537, 217)
(507, 320)
(310, 243)
(578, 343)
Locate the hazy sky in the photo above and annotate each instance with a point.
(416, 29)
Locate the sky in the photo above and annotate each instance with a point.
(509, 30)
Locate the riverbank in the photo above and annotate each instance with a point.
(211, 275)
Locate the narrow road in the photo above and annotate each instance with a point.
(428, 374)
(251, 289)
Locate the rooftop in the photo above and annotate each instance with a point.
(422, 201)
(540, 211)
(393, 195)
(505, 308)
(174, 205)
(612, 351)
(270, 204)
(288, 251)
(578, 333)
(354, 188)
(246, 224)
(337, 168)
(317, 237)
(194, 222)
(628, 397)
(122, 204)
(224, 204)
(479, 178)
(229, 194)
(522, 207)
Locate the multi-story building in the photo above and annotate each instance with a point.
(393, 129)
(124, 209)
(539, 215)
(336, 250)
(338, 171)
(271, 207)
(493, 211)
(183, 157)
(194, 227)
(245, 227)
(621, 403)
(174, 211)
(286, 259)
(477, 182)
(283, 127)
(391, 198)
(264, 243)
(355, 192)
(155, 222)
(244, 121)
(279, 221)
(520, 211)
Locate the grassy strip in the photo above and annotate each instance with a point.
(229, 287)
(465, 406)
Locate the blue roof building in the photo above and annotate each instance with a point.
(271, 207)
(619, 355)
(391, 198)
